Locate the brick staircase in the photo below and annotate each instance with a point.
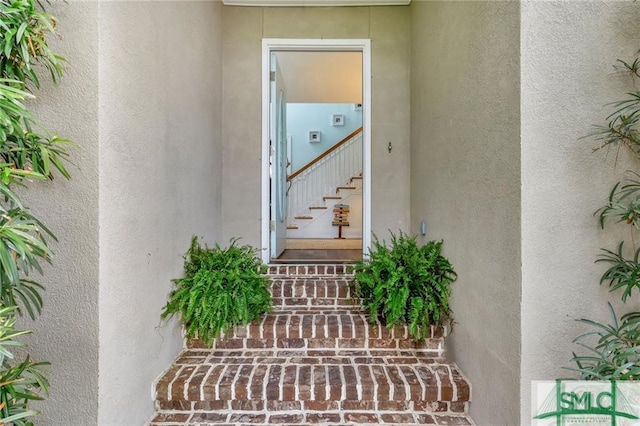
(314, 360)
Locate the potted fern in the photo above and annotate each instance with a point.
(221, 288)
(405, 283)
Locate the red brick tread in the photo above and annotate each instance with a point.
(302, 378)
(265, 417)
(329, 270)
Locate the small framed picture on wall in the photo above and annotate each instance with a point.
(338, 120)
(314, 136)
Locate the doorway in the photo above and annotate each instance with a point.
(302, 207)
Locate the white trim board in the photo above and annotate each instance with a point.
(352, 45)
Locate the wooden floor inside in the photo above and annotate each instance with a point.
(324, 244)
(321, 250)
(319, 256)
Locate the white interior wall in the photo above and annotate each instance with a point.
(465, 180)
(306, 117)
(160, 169)
(567, 53)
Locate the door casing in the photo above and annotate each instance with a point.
(320, 45)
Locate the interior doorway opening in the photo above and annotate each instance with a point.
(316, 144)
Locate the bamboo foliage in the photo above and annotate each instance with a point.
(28, 152)
(611, 351)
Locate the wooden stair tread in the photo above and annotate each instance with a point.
(317, 207)
(303, 217)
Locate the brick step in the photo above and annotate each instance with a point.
(310, 270)
(320, 329)
(305, 415)
(193, 379)
(315, 359)
(325, 293)
(314, 288)
(239, 388)
(428, 345)
(308, 356)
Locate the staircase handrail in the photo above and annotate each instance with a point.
(324, 154)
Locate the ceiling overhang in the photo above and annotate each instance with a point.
(285, 3)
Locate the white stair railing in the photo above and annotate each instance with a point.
(321, 179)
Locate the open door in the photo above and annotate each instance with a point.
(278, 161)
(276, 194)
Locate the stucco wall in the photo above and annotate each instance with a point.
(160, 75)
(66, 334)
(568, 49)
(244, 28)
(465, 180)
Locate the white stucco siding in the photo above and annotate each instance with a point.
(568, 49)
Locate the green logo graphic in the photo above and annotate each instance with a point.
(585, 402)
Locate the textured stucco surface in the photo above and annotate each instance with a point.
(568, 49)
(66, 334)
(465, 183)
(484, 103)
(160, 75)
(389, 31)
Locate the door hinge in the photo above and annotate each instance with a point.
(272, 225)
(272, 76)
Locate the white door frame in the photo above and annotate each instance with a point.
(320, 45)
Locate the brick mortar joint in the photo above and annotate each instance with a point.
(309, 276)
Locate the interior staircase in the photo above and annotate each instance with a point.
(314, 360)
(323, 207)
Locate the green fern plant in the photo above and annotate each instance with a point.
(222, 287)
(405, 283)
